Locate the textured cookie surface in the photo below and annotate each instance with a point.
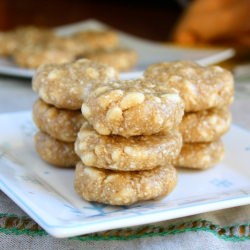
(126, 154)
(61, 124)
(206, 125)
(123, 188)
(134, 107)
(7, 43)
(97, 39)
(200, 87)
(200, 155)
(37, 55)
(22, 37)
(55, 152)
(67, 85)
(120, 58)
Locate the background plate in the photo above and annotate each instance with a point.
(149, 52)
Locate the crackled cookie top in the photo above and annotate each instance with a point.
(123, 188)
(67, 85)
(200, 87)
(133, 107)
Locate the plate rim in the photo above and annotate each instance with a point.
(83, 228)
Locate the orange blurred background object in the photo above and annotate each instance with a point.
(215, 22)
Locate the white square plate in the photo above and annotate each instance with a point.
(149, 52)
(46, 193)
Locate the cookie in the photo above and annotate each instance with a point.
(126, 154)
(67, 85)
(200, 155)
(123, 188)
(120, 58)
(67, 44)
(61, 124)
(36, 55)
(53, 50)
(133, 107)
(8, 43)
(200, 87)
(205, 126)
(97, 39)
(55, 152)
(27, 35)
(21, 37)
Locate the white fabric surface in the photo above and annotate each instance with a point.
(190, 240)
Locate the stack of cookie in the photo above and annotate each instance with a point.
(128, 146)
(57, 114)
(207, 93)
(58, 129)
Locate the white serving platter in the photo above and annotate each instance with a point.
(46, 193)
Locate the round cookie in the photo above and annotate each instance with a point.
(66, 44)
(53, 50)
(200, 87)
(205, 126)
(123, 188)
(36, 55)
(21, 37)
(126, 154)
(200, 155)
(67, 85)
(97, 39)
(61, 124)
(55, 152)
(133, 107)
(8, 43)
(28, 35)
(120, 58)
